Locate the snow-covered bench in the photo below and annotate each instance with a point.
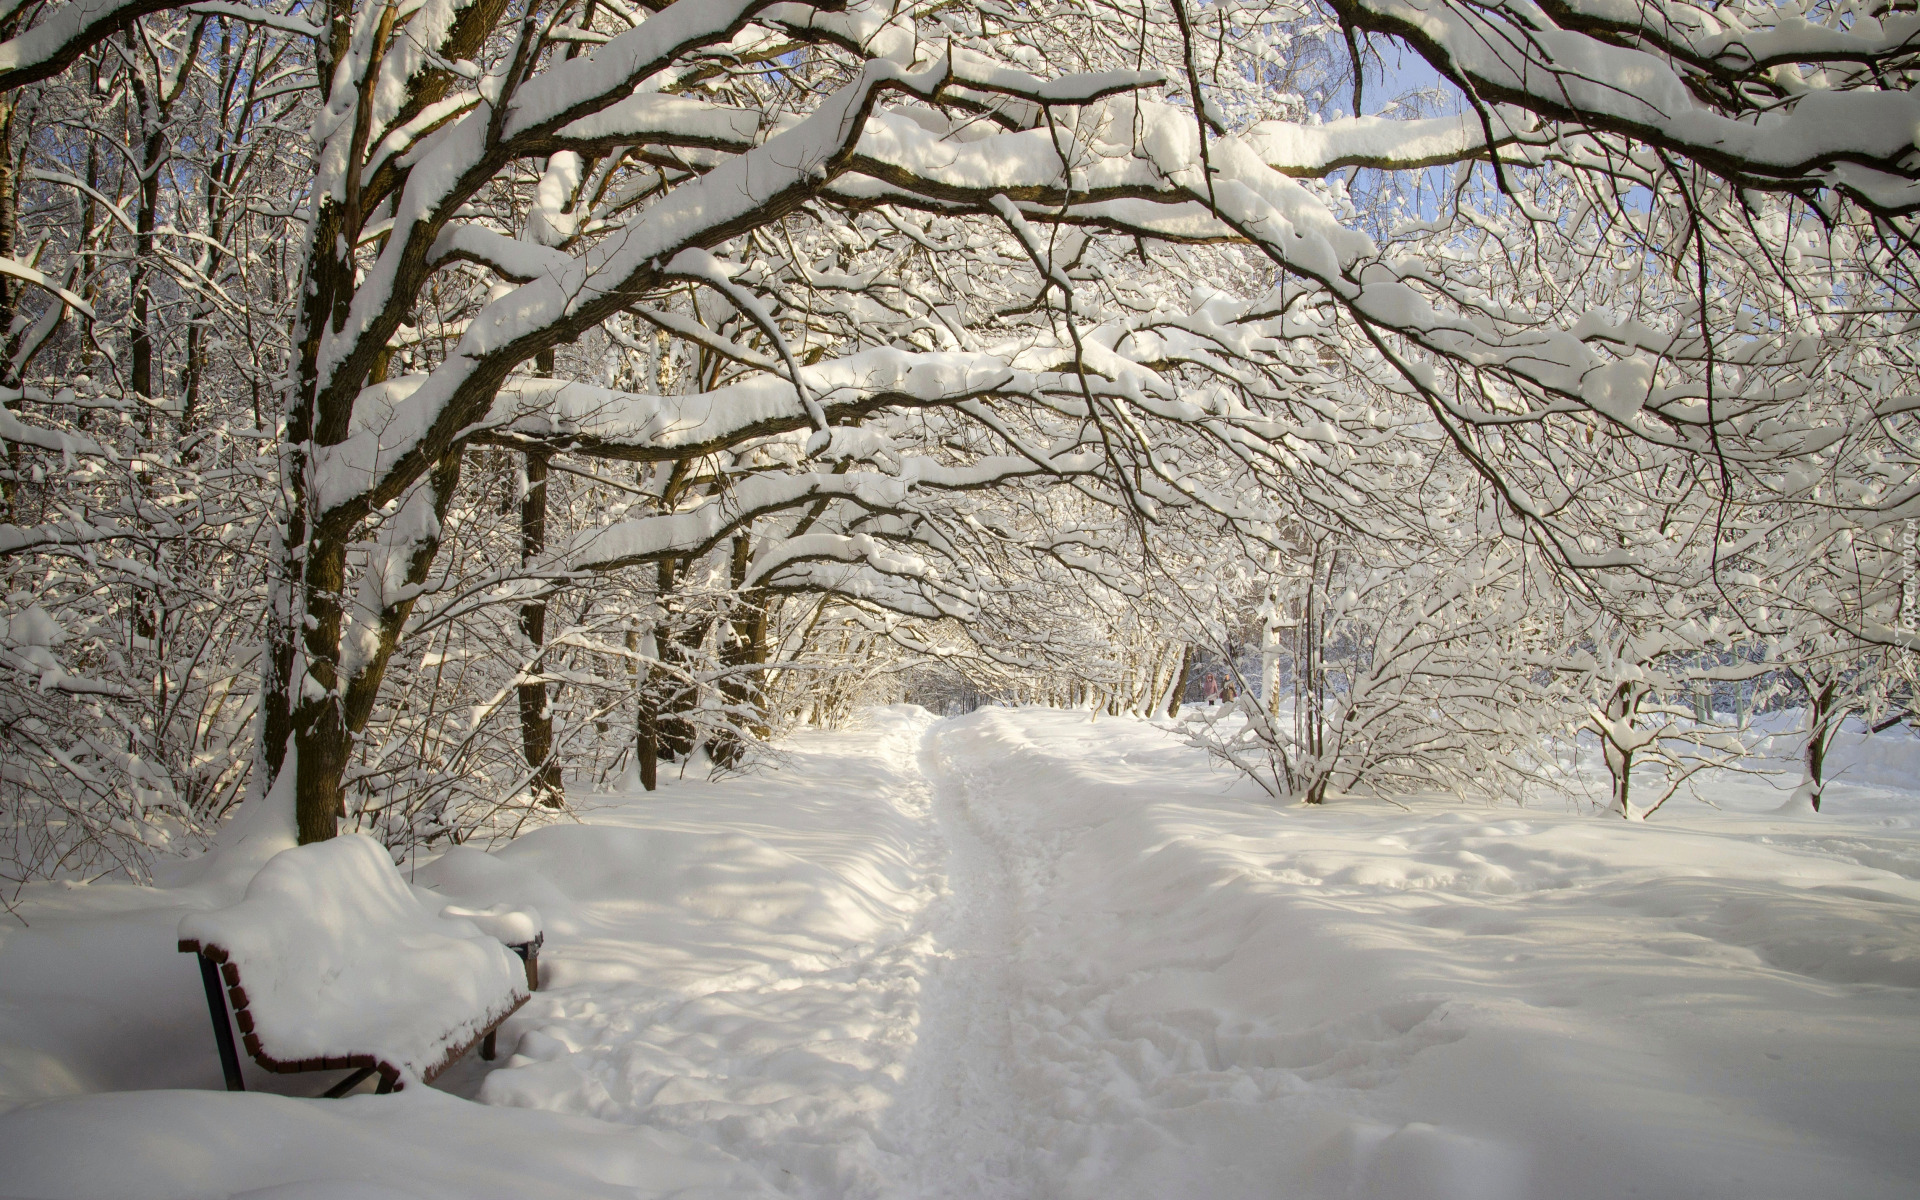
(332, 962)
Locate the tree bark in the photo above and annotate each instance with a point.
(1180, 681)
(673, 733)
(320, 736)
(745, 645)
(646, 742)
(1821, 727)
(145, 217)
(334, 706)
(536, 711)
(10, 291)
(154, 108)
(1622, 706)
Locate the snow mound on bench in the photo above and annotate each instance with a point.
(501, 922)
(338, 957)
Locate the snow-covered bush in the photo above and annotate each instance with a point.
(1389, 679)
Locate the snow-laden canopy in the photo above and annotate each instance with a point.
(1570, 338)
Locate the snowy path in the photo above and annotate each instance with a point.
(957, 1128)
(1214, 998)
(1022, 955)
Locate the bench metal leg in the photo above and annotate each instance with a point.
(222, 1023)
(346, 1085)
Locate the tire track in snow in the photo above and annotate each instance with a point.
(957, 1128)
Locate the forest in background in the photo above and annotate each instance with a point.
(416, 413)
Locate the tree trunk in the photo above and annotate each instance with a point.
(647, 741)
(536, 712)
(673, 732)
(303, 723)
(320, 738)
(326, 293)
(152, 109)
(10, 291)
(1823, 722)
(335, 704)
(1270, 635)
(1622, 706)
(1179, 691)
(743, 646)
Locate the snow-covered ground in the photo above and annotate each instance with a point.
(1024, 954)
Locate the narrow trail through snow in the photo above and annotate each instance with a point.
(957, 1127)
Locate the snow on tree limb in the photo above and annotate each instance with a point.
(66, 32)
